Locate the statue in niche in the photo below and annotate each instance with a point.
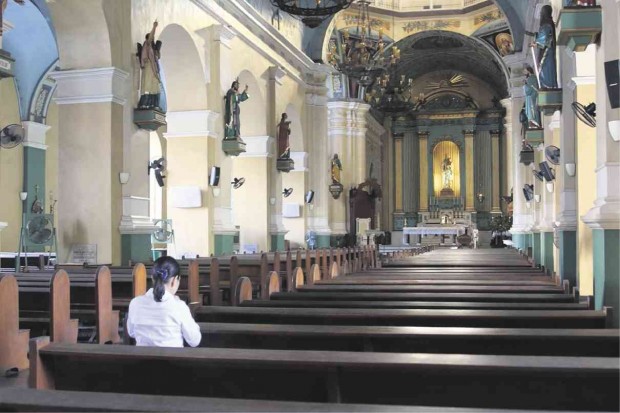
(3, 6)
(447, 173)
(532, 111)
(336, 168)
(545, 42)
(284, 132)
(232, 123)
(150, 84)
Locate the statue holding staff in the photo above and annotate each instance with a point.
(545, 42)
(232, 123)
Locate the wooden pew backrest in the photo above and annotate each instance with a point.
(243, 290)
(13, 342)
(274, 283)
(107, 319)
(298, 278)
(139, 279)
(62, 328)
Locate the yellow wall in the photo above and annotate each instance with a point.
(11, 171)
(188, 166)
(251, 201)
(295, 226)
(586, 191)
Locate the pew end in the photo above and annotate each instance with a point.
(107, 319)
(139, 279)
(40, 377)
(13, 341)
(298, 279)
(243, 290)
(63, 329)
(334, 270)
(273, 285)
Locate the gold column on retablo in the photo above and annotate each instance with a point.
(398, 174)
(469, 170)
(423, 139)
(496, 160)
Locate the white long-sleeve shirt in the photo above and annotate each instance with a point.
(161, 324)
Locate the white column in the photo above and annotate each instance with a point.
(217, 41)
(276, 226)
(347, 138)
(508, 158)
(317, 144)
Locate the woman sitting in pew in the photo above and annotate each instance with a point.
(159, 317)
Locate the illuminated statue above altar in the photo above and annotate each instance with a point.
(447, 174)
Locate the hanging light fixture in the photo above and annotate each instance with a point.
(311, 12)
(391, 94)
(364, 55)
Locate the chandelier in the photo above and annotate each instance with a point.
(311, 12)
(364, 55)
(391, 94)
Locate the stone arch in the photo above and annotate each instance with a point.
(254, 110)
(185, 86)
(82, 34)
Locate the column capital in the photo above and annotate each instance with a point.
(222, 34)
(35, 134)
(276, 74)
(258, 147)
(96, 85)
(192, 124)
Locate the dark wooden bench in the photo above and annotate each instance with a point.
(460, 340)
(483, 381)
(437, 296)
(434, 288)
(91, 302)
(407, 317)
(416, 304)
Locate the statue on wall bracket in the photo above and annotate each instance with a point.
(284, 162)
(545, 42)
(336, 187)
(149, 114)
(232, 143)
(532, 112)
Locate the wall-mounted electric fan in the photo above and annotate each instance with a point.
(159, 166)
(528, 192)
(163, 232)
(538, 175)
(586, 114)
(11, 136)
(546, 171)
(552, 153)
(238, 182)
(287, 192)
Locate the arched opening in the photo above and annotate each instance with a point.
(446, 170)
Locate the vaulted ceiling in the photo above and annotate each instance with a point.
(428, 51)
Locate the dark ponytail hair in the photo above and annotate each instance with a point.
(164, 269)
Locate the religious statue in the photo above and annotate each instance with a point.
(232, 123)
(336, 168)
(284, 131)
(150, 85)
(545, 41)
(531, 99)
(447, 174)
(3, 5)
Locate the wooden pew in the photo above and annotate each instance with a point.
(426, 296)
(91, 302)
(447, 305)
(484, 381)
(407, 317)
(432, 288)
(13, 341)
(461, 340)
(23, 399)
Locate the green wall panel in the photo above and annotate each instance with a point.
(606, 245)
(224, 244)
(568, 256)
(135, 247)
